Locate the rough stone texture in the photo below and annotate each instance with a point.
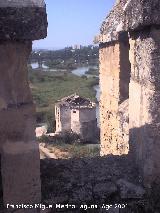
(141, 19)
(127, 16)
(123, 113)
(23, 20)
(19, 152)
(114, 83)
(114, 23)
(144, 102)
(130, 190)
(83, 181)
(141, 13)
(14, 89)
(22, 3)
(20, 172)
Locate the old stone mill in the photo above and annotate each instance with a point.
(129, 55)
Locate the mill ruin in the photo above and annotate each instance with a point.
(78, 115)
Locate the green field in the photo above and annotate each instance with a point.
(48, 87)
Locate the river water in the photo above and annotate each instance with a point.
(80, 71)
(36, 65)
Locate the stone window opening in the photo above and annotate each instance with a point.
(125, 67)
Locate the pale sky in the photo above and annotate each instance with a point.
(73, 22)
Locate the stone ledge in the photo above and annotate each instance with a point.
(27, 23)
(22, 3)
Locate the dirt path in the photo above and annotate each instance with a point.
(52, 153)
(44, 152)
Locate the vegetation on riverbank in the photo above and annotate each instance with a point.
(67, 58)
(48, 87)
(69, 146)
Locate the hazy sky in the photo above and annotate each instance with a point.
(73, 22)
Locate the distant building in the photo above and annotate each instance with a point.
(76, 47)
(76, 114)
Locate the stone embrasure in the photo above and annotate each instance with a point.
(113, 24)
(127, 16)
(23, 20)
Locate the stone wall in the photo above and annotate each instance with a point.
(20, 164)
(139, 82)
(63, 118)
(114, 84)
(86, 125)
(144, 101)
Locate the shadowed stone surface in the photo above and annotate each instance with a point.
(144, 102)
(90, 181)
(19, 152)
(23, 20)
(22, 3)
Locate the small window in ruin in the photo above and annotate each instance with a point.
(74, 111)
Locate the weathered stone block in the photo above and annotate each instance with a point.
(17, 123)
(141, 14)
(23, 20)
(14, 86)
(114, 83)
(144, 104)
(21, 173)
(113, 24)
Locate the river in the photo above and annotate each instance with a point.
(36, 65)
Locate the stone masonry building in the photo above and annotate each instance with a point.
(76, 114)
(130, 84)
